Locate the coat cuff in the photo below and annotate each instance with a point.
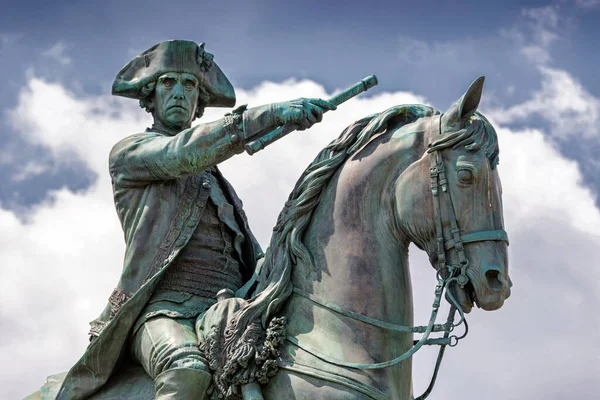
(233, 123)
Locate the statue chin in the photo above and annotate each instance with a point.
(177, 117)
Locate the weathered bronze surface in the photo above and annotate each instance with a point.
(328, 312)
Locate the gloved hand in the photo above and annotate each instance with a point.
(302, 112)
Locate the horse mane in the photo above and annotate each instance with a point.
(286, 247)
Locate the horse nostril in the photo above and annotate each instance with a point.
(494, 279)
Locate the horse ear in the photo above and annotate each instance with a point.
(466, 106)
(470, 101)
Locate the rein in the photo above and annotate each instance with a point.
(426, 330)
(455, 274)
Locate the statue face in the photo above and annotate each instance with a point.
(176, 99)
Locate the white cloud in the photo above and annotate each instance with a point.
(587, 4)
(57, 52)
(29, 170)
(566, 106)
(60, 265)
(543, 184)
(77, 128)
(544, 16)
(532, 37)
(536, 53)
(563, 101)
(542, 25)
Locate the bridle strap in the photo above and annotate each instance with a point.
(435, 168)
(454, 229)
(440, 356)
(499, 235)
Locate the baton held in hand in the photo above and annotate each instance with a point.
(361, 86)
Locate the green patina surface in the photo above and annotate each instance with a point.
(337, 264)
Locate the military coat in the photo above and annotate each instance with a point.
(160, 190)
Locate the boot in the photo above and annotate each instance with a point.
(182, 384)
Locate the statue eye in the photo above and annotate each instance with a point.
(465, 175)
(189, 84)
(168, 82)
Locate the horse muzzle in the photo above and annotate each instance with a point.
(490, 287)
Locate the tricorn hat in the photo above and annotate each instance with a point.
(175, 56)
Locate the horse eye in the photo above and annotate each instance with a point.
(465, 176)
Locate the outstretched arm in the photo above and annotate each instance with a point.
(142, 158)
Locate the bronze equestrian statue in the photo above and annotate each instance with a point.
(203, 321)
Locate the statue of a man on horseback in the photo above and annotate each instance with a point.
(191, 306)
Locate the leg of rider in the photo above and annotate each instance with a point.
(167, 348)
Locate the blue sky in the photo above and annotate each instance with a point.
(60, 241)
(431, 48)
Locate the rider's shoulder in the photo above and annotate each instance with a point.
(134, 140)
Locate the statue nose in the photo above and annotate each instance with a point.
(178, 90)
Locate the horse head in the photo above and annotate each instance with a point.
(449, 203)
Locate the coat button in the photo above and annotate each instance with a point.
(206, 185)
